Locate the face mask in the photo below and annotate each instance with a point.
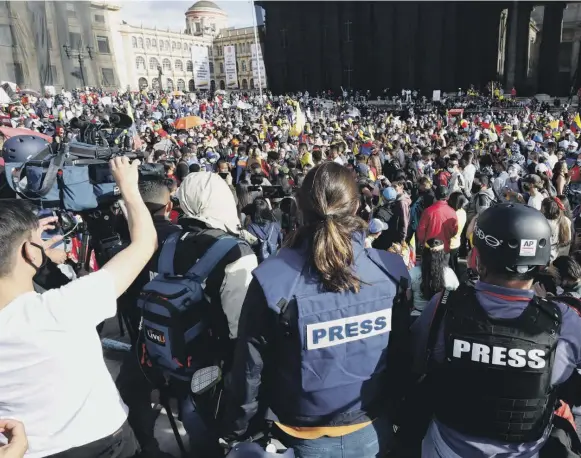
(29, 261)
(529, 161)
(578, 161)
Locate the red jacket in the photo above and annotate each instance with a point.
(438, 221)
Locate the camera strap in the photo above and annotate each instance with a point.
(51, 174)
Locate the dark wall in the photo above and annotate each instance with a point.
(423, 45)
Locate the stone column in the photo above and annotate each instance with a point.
(516, 57)
(549, 50)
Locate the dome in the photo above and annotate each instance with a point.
(204, 4)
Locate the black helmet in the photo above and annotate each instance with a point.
(511, 235)
(21, 148)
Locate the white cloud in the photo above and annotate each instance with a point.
(171, 13)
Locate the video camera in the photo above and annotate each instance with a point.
(77, 178)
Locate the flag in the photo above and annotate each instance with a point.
(299, 124)
(574, 128)
(485, 125)
(554, 124)
(577, 121)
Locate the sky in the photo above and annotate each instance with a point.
(171, 13)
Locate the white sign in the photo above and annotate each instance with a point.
(344, 330)
(258, 66)
(528, 248)
(230, 67)
(50, 90)
(201, 64)
(436, 96)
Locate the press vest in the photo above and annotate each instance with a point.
(496, 379)
(330, 352)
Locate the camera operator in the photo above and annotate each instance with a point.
(52, 374)
(209, 214)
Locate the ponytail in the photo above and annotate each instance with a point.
(328, 201)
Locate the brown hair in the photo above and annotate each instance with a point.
(328, 201)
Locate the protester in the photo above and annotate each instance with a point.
(432, 276)
(552, 209)
(458, 202)
(438, 221)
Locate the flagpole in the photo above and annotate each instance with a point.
(256, 48)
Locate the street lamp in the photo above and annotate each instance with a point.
(71, 54)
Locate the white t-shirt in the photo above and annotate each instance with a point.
(52, 374)
(450, 281)
(536, 201)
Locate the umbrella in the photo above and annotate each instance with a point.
(10, 132)
(176, 93)
(30, 92)
(188, 122)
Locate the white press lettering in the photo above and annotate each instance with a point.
(537, 359)
(499, 356)
(460, 346)
(480, 353)
(516, 357)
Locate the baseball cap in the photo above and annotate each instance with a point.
(389, 193)
(376, 226)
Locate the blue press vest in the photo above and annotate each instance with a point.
(328, 367)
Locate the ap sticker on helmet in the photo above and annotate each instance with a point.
(528, 248)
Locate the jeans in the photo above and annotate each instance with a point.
(369, 442)
(121, 444)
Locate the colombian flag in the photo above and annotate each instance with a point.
(576, 125)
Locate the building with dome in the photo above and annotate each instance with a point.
(146, 50)
(205, 18)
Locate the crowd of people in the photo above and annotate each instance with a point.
(297, 221)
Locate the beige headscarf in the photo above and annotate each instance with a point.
(206, 197)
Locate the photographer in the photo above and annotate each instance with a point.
(52, 374)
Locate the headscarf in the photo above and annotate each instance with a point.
(206, 197)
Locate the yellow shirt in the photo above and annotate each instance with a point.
(315, 432)
(455, 241)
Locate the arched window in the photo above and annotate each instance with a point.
(243, 65)
(185, 46)
(221, 67)
(173, 45)
(140, 63)
(155, 83)
(179, 45)
(153, 63)
(147, 43)
(191, 86)
(244, 84)
(222, 85)
(140, 42)
(179, 66)
(169, 84)
(211, 67)
(134, 42)
(142, 83)
(189, 66)
(181, 85)
(251, 83)
(167, 44)
(154, 42)
(161, 45)
(166, 64)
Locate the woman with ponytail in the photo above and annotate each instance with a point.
(313, 332)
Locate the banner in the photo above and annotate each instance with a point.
(201, 64)
(258, 66)
(436, 96)
(230, 67)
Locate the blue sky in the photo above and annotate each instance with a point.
(170, 13)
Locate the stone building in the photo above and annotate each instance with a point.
(33, 36)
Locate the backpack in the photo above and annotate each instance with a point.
(175, 310)
(415, 213)
(267, 240)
